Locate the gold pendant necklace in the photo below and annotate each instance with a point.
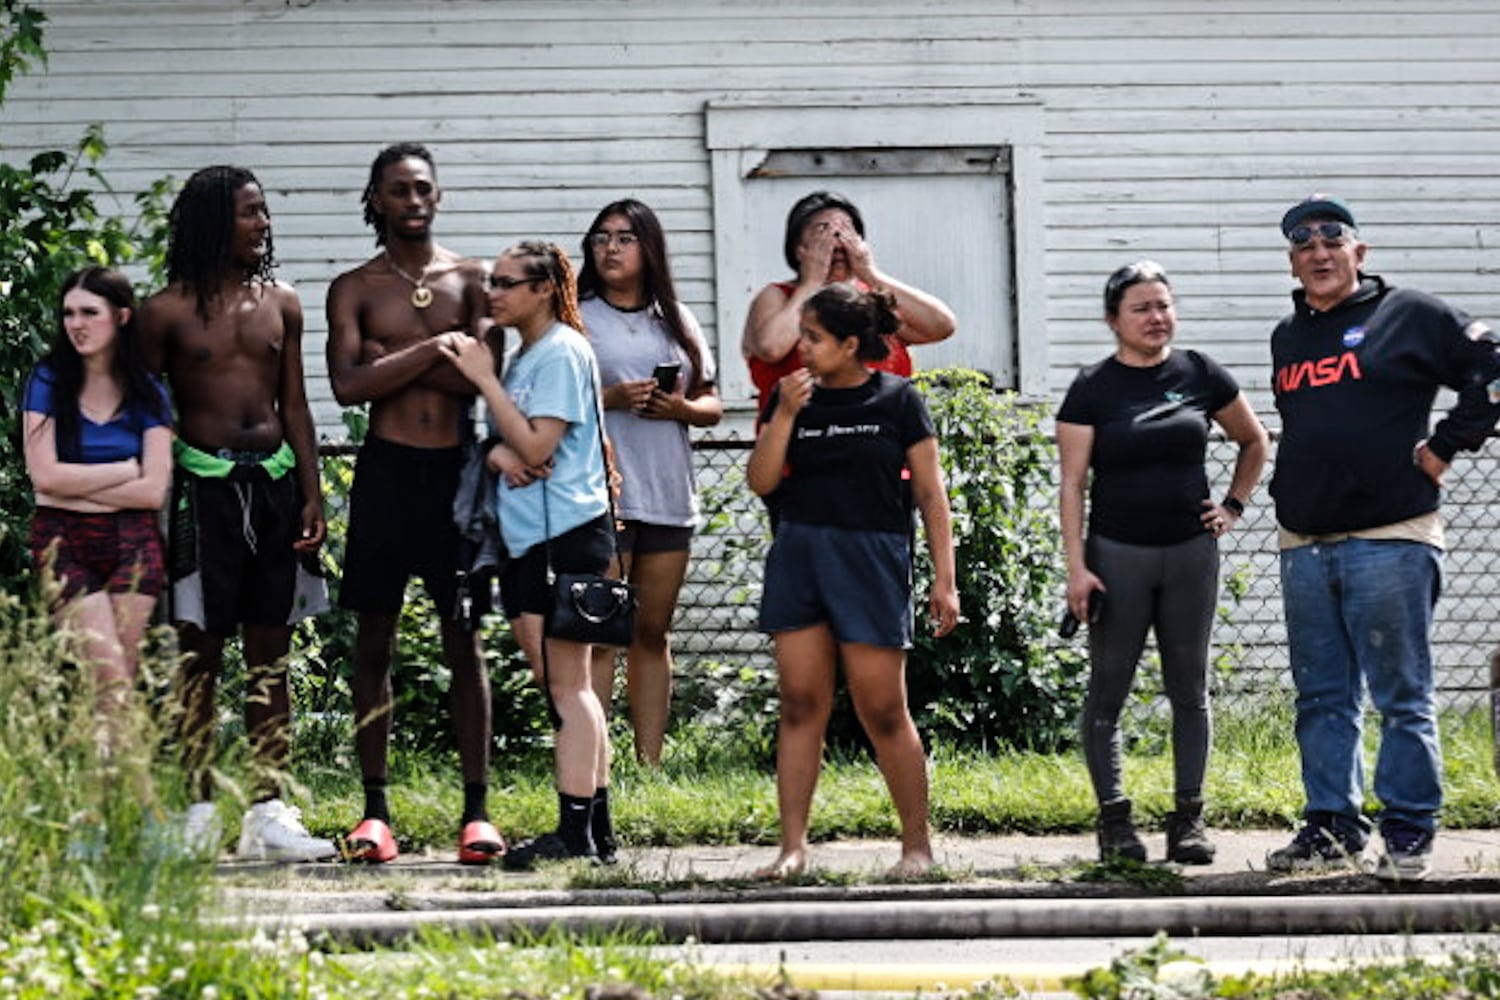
(421, 295)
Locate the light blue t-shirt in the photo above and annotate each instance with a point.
(556, 377)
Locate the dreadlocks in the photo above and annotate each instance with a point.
(200, 247)
(390, 154)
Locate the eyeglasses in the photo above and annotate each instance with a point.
(603, 239)
(1331, 233)
(502, 283)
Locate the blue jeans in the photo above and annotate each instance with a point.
(1362, 610)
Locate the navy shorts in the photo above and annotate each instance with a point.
(588, 548)
(856, 582)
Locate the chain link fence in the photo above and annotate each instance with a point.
(714, 635)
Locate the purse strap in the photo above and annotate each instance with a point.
(609, 495)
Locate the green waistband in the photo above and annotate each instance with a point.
(210, 466)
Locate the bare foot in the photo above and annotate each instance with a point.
(790, 862)
(912, 865)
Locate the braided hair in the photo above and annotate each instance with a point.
(139, 391)
(542, 260)
(200, 245)
(394, 153)
(845, 310)
(656, 274)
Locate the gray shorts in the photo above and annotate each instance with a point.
(857, 582)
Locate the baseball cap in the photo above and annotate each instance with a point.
(1316, 206)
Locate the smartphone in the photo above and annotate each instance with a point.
(1068, 627)
(666, 375)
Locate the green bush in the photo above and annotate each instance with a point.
(51, 224)
(1000, 679)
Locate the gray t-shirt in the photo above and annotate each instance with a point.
(655, 457)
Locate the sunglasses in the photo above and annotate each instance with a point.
(505, 284)
(1331, 233)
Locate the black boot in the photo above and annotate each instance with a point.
(1187, 839)
(1117, 837)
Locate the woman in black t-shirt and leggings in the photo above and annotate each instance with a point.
(1139, 420)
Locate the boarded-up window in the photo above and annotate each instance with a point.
(943, 187)
(935, 219)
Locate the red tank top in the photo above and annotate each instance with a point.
(765, 374)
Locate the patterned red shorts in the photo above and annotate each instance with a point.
(119, 553)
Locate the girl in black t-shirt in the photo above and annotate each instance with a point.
(837, 444)
(1139, 421)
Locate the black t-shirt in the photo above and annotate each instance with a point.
(846, 460)
(1150, 435)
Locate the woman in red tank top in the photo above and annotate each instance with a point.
(824, 244)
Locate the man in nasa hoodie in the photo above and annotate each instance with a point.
(1357, 368)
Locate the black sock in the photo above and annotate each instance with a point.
(375, 804)
(601, 825)
(474, 804)
(573, 822)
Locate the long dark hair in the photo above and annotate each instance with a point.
(393, 153)
(140, 391)
(656, 274)
(201, 244)
(845, 310)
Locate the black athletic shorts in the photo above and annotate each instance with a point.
(400, 526)
(587, 548)
(230, 557)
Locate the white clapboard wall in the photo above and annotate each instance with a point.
(1174, 129)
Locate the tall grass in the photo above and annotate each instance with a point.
(83, 826)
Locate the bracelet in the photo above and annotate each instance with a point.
(1233, 505)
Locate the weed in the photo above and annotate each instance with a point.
(1157, 879)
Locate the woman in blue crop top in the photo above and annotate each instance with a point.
(97, 441)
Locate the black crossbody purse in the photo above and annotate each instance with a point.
(590, 607)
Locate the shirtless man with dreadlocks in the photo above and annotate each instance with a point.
(386, 319)
(246, 514)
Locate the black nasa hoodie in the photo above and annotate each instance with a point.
(1355, 387)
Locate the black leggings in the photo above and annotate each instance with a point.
(1172, 590)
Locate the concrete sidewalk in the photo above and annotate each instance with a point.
(713, 886)
(1010, 907)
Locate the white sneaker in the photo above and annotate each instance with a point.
(273, 831)
(201, 833)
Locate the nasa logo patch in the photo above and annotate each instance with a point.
(1354, 336)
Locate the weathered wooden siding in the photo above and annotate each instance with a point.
(1176, 129)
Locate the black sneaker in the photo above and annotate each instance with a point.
(548, 847)
(1408, 854)
(1317, 848)
(608, 850)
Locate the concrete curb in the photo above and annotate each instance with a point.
(719, 923)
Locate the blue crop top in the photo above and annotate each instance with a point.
(116, 440)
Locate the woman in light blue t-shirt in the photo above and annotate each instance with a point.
(553, 494)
